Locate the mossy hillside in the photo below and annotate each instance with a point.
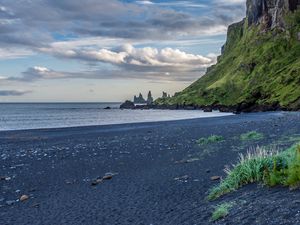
(256, 67)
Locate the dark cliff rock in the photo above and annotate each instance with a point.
(139, 100)
(269, 12)
(127, 105)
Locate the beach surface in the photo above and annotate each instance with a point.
(145, 173)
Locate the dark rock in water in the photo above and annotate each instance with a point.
(127, 105)
(207, 109)
(107, 107)
(139, 100)
(150, 98)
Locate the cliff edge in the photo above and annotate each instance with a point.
(259, 68)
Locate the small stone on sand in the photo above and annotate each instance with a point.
(215, 178)
(24, 198)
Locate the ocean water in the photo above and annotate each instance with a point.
(20, 116)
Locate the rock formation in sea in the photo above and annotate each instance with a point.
(139, 100)
(150, 98)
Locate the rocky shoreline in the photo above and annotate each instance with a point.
(236, 109)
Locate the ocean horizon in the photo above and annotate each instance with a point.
(38, 115)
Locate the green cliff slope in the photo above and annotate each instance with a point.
(258, 67)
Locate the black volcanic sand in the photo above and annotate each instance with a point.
(56, 167)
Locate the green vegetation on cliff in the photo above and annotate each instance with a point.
(258, 66)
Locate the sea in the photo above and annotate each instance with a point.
(23, 116)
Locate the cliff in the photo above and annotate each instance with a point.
(259, 68)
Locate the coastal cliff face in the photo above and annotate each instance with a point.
(269, 12)
(259, 68)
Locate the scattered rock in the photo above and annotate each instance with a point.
(96, 182)
(32, 189)
(69, 182)
(5, 178)
(36, 205)
(187, 161)
(183, 178)
(214, 178)
(10, 202)
(109, 176)
(24, 198)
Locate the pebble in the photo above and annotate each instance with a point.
(36, 205)
(107, 177)
(10, 202)
(5, 178)
(213, 178)
(24, 198)
(185, 177)
(96, 182)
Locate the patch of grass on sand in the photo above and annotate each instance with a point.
(252, 135)
(261, 165)
(211, 139)
(221, 211)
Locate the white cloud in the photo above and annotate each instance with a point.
(13, 53)
(145, 2)
(188, 4)
(145, 58)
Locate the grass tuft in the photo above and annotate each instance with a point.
(211, 139)
(261, 165)
(221, 211)
(252, 135)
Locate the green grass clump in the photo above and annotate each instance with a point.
(211, 139)
(268, 167)
(221, 211)
(252, 135)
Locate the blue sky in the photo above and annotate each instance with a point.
(103, 50)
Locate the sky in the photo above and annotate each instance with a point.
(108, 50)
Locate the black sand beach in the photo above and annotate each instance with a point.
(159, 173)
